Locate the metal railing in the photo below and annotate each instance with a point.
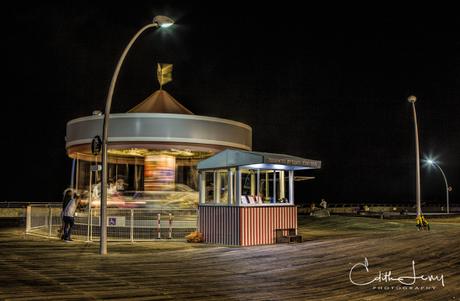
(17, 204)
(136, 224)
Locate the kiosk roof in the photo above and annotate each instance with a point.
(257, 160)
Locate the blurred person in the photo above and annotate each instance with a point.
(68, 214)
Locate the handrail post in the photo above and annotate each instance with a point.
(159, 225)
(50, 221)
(132, 226)
(28, 218)
(88, 223)
(170, 226)
(91, 226)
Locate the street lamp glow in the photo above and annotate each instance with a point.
(158, 21)
(163, 21)
(434, 163)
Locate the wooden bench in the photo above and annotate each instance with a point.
(292, 237)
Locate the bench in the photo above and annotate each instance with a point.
(292, 237)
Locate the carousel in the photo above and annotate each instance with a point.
(153, 153)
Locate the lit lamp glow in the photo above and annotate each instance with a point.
(163, 21)
(434, 163)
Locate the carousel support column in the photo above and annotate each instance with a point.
(135, 175)
(230, 186)
(291, 187)
(140, 170)
(282, 188)
(72, 175)
(238, 187)
(274, 186)
(77, 174)
(253, 183)
(90, 198)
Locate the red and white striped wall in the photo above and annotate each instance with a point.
(245, 226)
(220, 224)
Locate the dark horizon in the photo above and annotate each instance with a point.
(323, 86)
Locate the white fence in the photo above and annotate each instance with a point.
(139, 224)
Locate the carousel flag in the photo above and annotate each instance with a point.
(164, 73)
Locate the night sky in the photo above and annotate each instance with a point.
(312, 82)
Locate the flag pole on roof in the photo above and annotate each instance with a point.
(164, 73)
(161, 101)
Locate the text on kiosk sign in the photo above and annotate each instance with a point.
(293, 162)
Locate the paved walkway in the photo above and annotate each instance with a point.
(34, 268)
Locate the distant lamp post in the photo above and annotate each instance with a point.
(158, 21)
(432, 162)
(412, 100)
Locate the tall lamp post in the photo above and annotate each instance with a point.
(158, 21)
(412, 100)
(432, 162)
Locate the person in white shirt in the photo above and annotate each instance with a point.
(68, 216)
(323, 203)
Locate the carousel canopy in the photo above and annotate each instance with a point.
(160, 102)
(257, 160)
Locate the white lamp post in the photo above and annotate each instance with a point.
(158, 21)
(432, 162)
(412, 100)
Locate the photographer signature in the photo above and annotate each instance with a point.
(387, 276)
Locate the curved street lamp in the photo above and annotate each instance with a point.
(432, 162)
(158, 21)
(412, 100)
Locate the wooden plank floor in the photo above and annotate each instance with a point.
(35, 268)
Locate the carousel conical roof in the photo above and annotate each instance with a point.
(160, 102)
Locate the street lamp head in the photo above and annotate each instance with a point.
(429, 161)
(163, 21)
(412, 99)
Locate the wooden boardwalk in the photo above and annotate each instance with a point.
(34, 268)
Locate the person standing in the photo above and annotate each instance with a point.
(68, 193)
(323, 203)
(68, 216)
